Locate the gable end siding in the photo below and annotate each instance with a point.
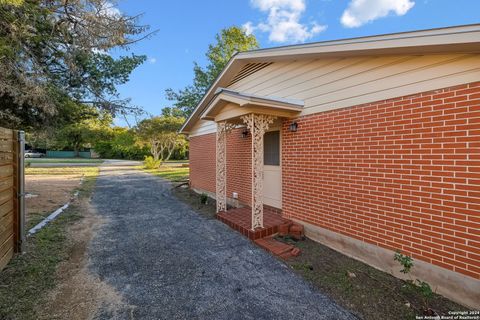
(326, 84)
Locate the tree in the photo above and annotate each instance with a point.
(228, 41)
(11, 2)
(161, 134)
(52, 51)
(172, 112)
(84, 134)
(120, 143)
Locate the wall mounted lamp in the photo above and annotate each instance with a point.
(293, 127)
(245, 133)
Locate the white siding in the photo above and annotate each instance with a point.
(202, 127)
(326, 84)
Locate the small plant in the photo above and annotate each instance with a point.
(203, 198)
(421, 286)
(150, 163)
(427, 294)
(302, 266)
(405, 261)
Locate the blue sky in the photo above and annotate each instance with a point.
(187, 27)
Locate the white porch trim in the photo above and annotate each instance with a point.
(257, 124)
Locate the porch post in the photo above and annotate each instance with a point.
(221, 165)
(257, 124)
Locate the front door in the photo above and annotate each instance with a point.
(272, 170)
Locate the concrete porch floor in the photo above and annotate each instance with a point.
(240, 219)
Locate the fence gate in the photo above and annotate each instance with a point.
(12, 201)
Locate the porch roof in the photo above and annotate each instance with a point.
(249, 103)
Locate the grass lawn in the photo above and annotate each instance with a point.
(62, 160)
(170, 173)
(25, 281)
(86, 171)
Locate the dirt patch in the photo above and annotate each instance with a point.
(46, 193)
(368, 292)
(193, 199)
(79, 294)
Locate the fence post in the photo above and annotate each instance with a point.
(21, 190)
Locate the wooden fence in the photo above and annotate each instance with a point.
(12, 233)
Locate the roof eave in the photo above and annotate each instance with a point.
(209, 92)
(244, 100)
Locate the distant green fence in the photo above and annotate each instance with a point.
(68, 154)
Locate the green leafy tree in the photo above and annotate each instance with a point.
(46, 137)
(121, 143)
(172, 112)
(11, 2)
(228, 41)
(54, 53)
(84, 134)
(161, 135)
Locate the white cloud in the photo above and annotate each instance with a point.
(283, 21)
(249, 27)
(152, 60)
(360, 12)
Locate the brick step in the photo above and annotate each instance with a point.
(278, 248)
(291, 229)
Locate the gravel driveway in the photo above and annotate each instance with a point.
(168, 262)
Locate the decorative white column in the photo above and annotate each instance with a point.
(221, 165)
(257, 124)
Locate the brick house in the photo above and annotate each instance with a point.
(373, 144)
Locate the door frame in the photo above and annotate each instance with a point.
(278, 203)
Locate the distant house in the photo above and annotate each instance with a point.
(373, 144)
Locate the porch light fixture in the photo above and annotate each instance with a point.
(245, 133)
(293, 127)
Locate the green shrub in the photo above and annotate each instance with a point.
(405, 261)
(151, 163)
(110, 150)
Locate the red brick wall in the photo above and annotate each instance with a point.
(239, 169)
(401, 174)
(202, 162)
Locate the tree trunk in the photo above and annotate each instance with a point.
(162, 149)
(155, 156)
(76, 150)
(170, 151)
(154, 150)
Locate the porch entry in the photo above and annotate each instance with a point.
(230, 109)
(272, 169)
